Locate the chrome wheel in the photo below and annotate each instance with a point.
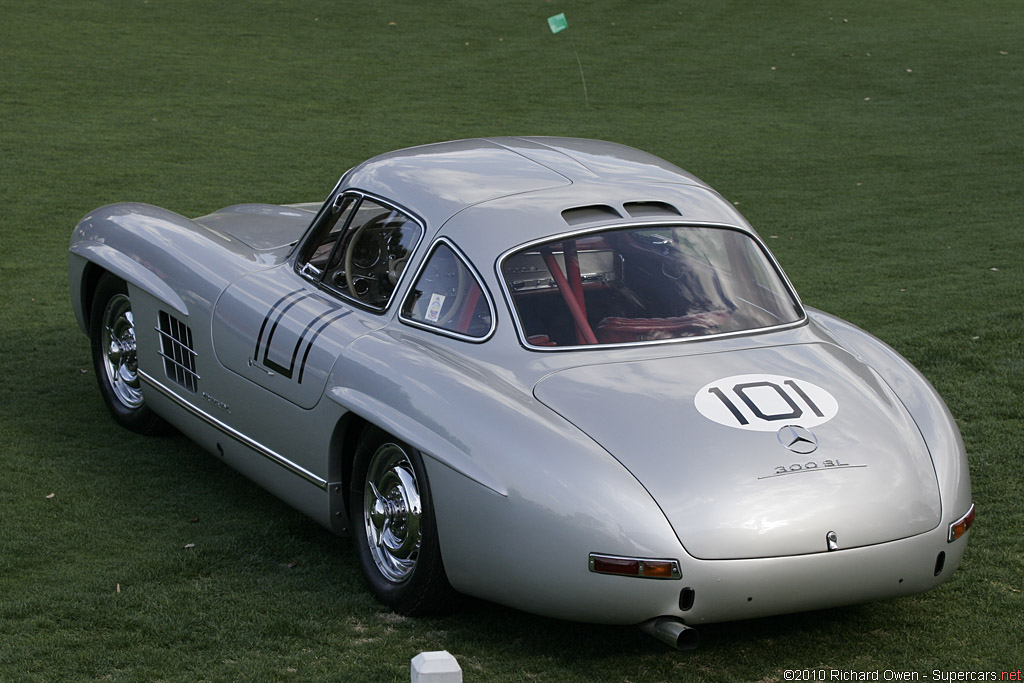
(120, 364)
(115, 359)
(398, 549)
(392, 512)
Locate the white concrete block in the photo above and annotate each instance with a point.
(435, 667)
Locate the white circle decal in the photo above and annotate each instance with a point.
(765, 403)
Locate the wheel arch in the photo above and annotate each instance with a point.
(427, 441)
(97, 259)
(90, 279)
(343, 444)
(149, 248)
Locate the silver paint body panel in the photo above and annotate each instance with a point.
(731, 493)
(536, 459)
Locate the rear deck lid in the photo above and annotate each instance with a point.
(760, 452)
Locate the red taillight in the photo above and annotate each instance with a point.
(960, 526)
(603, 564)
(634, 566)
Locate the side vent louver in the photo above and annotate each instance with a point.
(178, 352)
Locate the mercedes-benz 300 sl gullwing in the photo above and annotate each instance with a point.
(558, 374)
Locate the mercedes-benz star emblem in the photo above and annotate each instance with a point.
(798, 439)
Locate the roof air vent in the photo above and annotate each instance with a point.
(650, 209)
(590, 214)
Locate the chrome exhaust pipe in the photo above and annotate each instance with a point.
(673, 631)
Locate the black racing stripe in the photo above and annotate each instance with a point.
(266, 319)
(287, 372)
(327, 323)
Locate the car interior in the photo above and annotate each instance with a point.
(644, 284)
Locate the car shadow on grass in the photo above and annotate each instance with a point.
(489, 625)
(241, 529)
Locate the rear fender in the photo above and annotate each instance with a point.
(926, 407)
(512, 483)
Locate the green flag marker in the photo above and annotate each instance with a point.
(558, 23)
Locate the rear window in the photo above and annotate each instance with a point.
(645, 284)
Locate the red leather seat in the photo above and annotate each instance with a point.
(614, 330)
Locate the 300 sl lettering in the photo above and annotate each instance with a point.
(810, 466)
(217, 402)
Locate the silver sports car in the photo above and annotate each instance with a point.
(563, 375)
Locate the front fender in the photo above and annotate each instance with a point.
(110, 259)
(161, 252)
(121, 239)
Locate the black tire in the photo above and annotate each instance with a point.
(112, 332)
(404, 569)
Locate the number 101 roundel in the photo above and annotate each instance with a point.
(564, 375)
(764, 403)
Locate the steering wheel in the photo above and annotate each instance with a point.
(350, 250)
(395, 268)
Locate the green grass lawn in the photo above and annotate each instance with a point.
(877, 146)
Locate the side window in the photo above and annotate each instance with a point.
(317, 249)
(361, 250)
(448, 296)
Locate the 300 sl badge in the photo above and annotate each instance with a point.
(810, 466)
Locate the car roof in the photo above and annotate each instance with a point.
(437, 181)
